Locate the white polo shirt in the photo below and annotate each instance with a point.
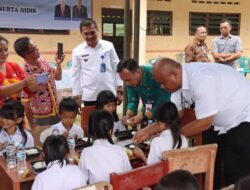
(75, 129)
(16, 138)
(216, 90)
(87, 78)
(57, 177)
(162, 143)
(101, 159)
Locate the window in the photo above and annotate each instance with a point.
(112, 22)
(33, 31)
(159, 23)
(212, 21)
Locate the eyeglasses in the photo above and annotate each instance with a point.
(91, 33)
(186, 104)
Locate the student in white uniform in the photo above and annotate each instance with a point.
(68, 110)
(12, 130)
(103, 157)
(107, 101)
(58, 175)
(167, 118)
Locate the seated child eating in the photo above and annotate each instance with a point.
(103, 157)
(59, 174)
(68, 110)
(167, 117)
(12, 130)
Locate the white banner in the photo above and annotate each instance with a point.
(44, 14)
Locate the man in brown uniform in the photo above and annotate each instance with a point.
(197, 51)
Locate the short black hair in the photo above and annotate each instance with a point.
(226, 20)
(21, 46)
(129, 64)
(178, 180)
(87, 22)
(105, 97)
(69, 105)
(4, 39)
(55, 148)
(100, 124)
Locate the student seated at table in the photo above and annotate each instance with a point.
(167, 118)
(178, 180)
(12, 130)
(59, 174)
(107, 101)
(103, 157)
(68, 110)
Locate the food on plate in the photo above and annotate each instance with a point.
(133, 133)
(39, 165)
(132, 146)
(31, 151)
(25, 173)
(129, 152)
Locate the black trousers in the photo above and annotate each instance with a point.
(233, 151)
(89, 103)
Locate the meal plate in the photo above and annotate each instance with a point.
(38, 166)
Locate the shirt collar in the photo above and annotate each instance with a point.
(165, 132)
(229, 36)
(101, 142)
(185, 85)
(99, 44)
(56, 164)
(197, 42)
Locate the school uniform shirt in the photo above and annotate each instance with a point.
(162, 143)
(17, 138)
(75, 129)
(101, 159)
(87, 78)
(217, 90)
(59, 177)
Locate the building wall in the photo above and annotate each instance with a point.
(156, 46)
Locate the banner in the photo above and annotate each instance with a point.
(44, 14)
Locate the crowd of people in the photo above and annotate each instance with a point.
(216, 92)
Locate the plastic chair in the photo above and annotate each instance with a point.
(197, 160)
(69, 64)
(244, 65)
(140, 177)
(85, 113)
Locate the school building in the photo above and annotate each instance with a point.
(166, 27)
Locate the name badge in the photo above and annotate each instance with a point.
(148, 107)
(103, 67)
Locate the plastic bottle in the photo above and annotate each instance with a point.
(11, 155)
(71, 143)
(21, 159)
(55, 130)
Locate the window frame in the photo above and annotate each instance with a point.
(151, 24)
(207, 14)
(34, 31)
